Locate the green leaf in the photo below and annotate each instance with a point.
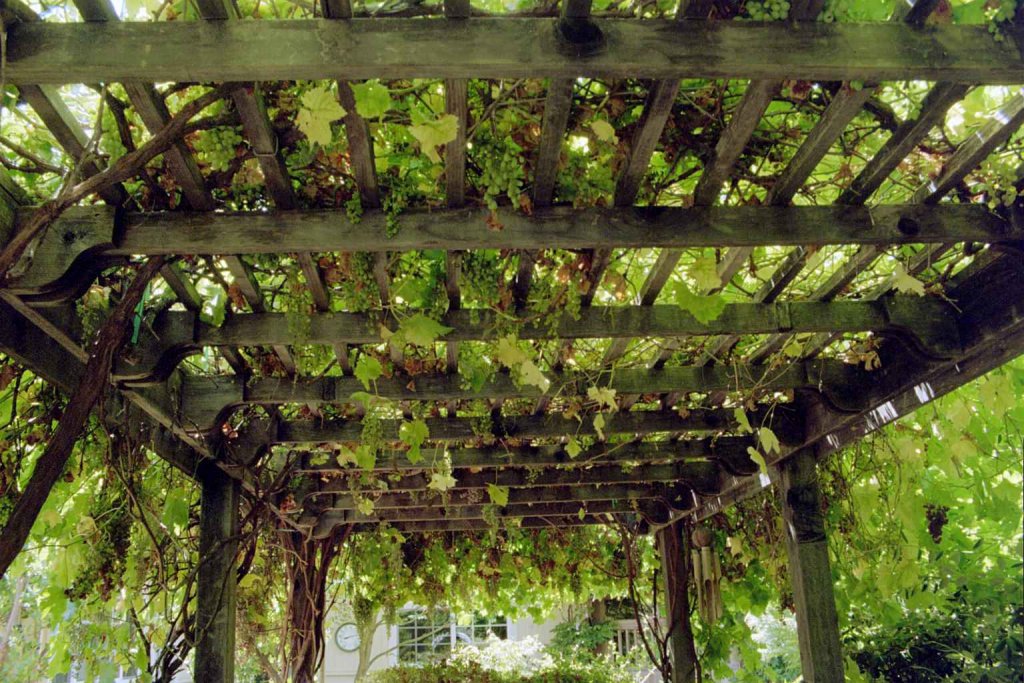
(175, 513)
(366, 458)
(905, 283)
(599, 425)
(365, 506)
(744, 422)
(573, 448)
(441, 481)
(317, 109)
(582, 513)
(433, 134)
(372, 99)
(498, 494)
(529, 373)
(756, 456)
(705, 308)
(509, 354)
(413, 434)
(604, 396)
(368, 369)
(248, 581)
(420, 330)
(604, 131)
(769, 442)
(704, 272)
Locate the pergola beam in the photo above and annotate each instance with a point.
(728, 451)
(205, 402)
(930, 324)
(95, 235)
(991, 292)
(57, 53)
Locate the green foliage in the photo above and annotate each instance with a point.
(575, 639)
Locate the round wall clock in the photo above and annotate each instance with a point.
(347, 637)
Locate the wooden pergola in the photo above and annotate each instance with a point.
(680, 464)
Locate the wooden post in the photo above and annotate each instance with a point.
(215, 605)
(674, 567)
(821, 656)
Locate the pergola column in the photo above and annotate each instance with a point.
(821, 657)
(674, 567)
(218, 550)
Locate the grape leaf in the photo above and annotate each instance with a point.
(604, 131)
(769, 442)
(175, 512)
(317, 109)
(744, 422)
(704, 272)
(498, 494)
(419, 330)
(758, 458)
(529, 373)
(433, 134)
(604, 396)
(905, 283)
(509, 354)
(365, 506)
(367, 370)
(366, 458)
(582, 513)
(372, 99)
(441, 481)
(599, 425)
(414, 434)
(573, 448)
(705, 308)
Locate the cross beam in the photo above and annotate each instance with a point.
(203, 51)
(88, 238)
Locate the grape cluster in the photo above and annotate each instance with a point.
(768, 10)
(479, 276)
(502, 174)
(217, 147)
(360, 290)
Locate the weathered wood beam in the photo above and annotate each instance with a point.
(92, 235)
(972, 151)
(206, 401)
(470, 525)
(653, 510)
(991, 294)
(217, 577)
(677, 496)
(557, 107)
(468, 518)
(26, 343)
(51, 52)
(728, 451)
(703, 477)
(821, 656)
(933, 110)
(245, 279)
(312, 432)
(968, 155)
(929, 323)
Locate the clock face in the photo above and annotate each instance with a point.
(347, 637)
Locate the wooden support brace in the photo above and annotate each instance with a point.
(215, 603)
(821, 656)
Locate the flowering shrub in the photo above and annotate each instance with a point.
(507, 661)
